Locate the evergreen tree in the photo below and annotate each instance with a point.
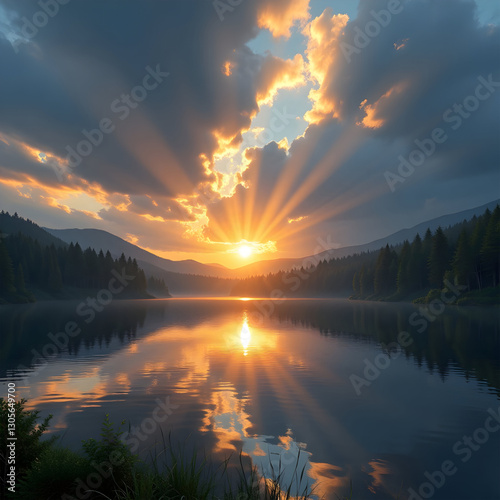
(355, 284)
(404, 277)
(427, 245)
(54, 278)
(6, 271)
(365, 282)
(20, 284)
(417, 265)
(439, 259)
(385, 272)
(463, 261)
(490, 250)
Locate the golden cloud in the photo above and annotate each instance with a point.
(373, 118)
(323, 52)
(277, 74)
(279, 16)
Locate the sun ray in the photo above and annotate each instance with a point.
(335, 207)
(339, 151)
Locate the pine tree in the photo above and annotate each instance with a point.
(355, 284)
(439, 259)
(490, 249)
(404, 277)
(6, 271)
(427, 245)
(417, 272)
(20, 284)
(385, 272)
(54, 280)
(463, 261)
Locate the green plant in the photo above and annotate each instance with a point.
(111, 458)
(54, 475)
(188, 477)
(28, 433)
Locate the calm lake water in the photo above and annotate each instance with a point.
(313, 379)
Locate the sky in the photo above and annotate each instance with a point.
(193, 128)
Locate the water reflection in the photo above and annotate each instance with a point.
(245, 335)
(273, 456)
(277, 390)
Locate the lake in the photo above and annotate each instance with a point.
(401, 402)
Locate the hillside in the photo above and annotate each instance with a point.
(37, 266)
(96, 238)
(465, 254)
(179, 284)
(273, 266)
(12, 224)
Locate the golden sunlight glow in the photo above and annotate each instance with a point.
(227, 69)
(246, 336)
(278, 18)
(245, 251)
(296, 219)
(372, 118)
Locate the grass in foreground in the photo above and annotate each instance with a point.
(107, 469)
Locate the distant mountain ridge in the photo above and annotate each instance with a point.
(272, 266)
(180, 284)
(12, 224)
(97, 239)
(173, 271)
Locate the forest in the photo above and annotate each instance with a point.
(29, 266)
(466, 254)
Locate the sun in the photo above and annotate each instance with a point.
(245, 251)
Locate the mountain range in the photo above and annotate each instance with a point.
(150, 262)
(188, 277)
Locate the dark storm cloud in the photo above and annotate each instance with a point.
(67, 78)
(443, 51)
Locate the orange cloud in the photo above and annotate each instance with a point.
(52, 202)
(279, 16)
(373, 118)
(227, 69)
(323, 52)
(401, 44)
(296, 219)
(277, 74)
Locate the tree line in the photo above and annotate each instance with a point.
(466, 254)
(27, 264)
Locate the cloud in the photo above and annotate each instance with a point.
(279, 16)
(367, 112)
(277, 74)
(323, 54)
(374, 117)
(168, 168)
(163, 146)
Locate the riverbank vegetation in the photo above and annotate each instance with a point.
(41, 266)
(106, 468)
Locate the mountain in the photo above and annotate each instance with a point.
(177, 270)
(272, 266)
(179, 284)
(97, 239)
(12, 224)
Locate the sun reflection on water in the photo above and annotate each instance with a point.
(245, 336)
